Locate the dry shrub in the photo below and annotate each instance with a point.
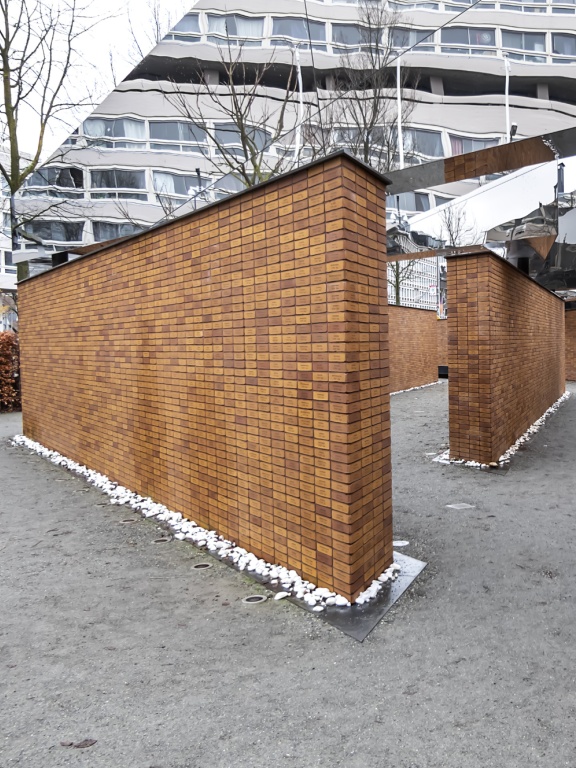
(9, 372)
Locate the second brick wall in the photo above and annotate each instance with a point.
(571, 345)
(418, 345)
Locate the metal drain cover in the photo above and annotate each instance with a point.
(201, 566)
(254, 599)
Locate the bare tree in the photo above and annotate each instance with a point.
(245, 125)
(399, 273)
(456, 227)
(38, 51)
(362, 114)
(168, 205)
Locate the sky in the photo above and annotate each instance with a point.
(111, 35)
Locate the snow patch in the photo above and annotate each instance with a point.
(432, 384)
(292, 583)
(504, 460)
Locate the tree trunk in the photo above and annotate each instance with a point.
(397, 283)
(22, 269)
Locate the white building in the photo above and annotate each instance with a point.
(7, 269)
(137, 157)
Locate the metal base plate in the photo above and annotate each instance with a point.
(357, 621)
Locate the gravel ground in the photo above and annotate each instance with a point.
(108, 635)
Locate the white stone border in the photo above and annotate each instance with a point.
(444, 458)
(412, 389)
(186, 530)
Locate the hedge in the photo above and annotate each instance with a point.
(9, 372)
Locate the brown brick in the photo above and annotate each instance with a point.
(233, 365)
(505, 355)
(417, 344)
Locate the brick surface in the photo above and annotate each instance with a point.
(414, 337)
(442, 341)
(506, 355)
(571, 345)
(233, 365)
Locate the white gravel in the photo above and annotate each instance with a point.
(444, 457)
(186, 530)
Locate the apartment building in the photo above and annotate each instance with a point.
(471, 71)
(7, 268)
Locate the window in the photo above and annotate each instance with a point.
(348, 35)
(525, 8)
(106, 132)
(525, 41)
(409, 201)
(346, 136)
(115, 178)
(228, 135)
(181, 185)
(228, 185)
(296, 29)
(403, 6)
(55, 182)
(187, 30)
(378, 136)
(235, 29)
(441, 200)
(421, 142)
(422, 39)
(9, 267)
(171, 130)
(105, 230)
(190, 23)
(72, 139)
(177, 131)
(57, 177)
(59, 231)
(456, 37)
(565, 45)
(462, 144)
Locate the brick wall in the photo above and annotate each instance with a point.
(413, 347)
(233, 365)
(442, 335)
(571, 345)
(506, 355)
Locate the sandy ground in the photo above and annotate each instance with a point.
(107, 635)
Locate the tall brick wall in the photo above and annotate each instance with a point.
(571, 345)
(233, 365)
(413, 347)
(506, 355)
(442, 335)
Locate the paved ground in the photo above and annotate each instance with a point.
(106, 635)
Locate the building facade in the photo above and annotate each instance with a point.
(470, 72)
(7, 268)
